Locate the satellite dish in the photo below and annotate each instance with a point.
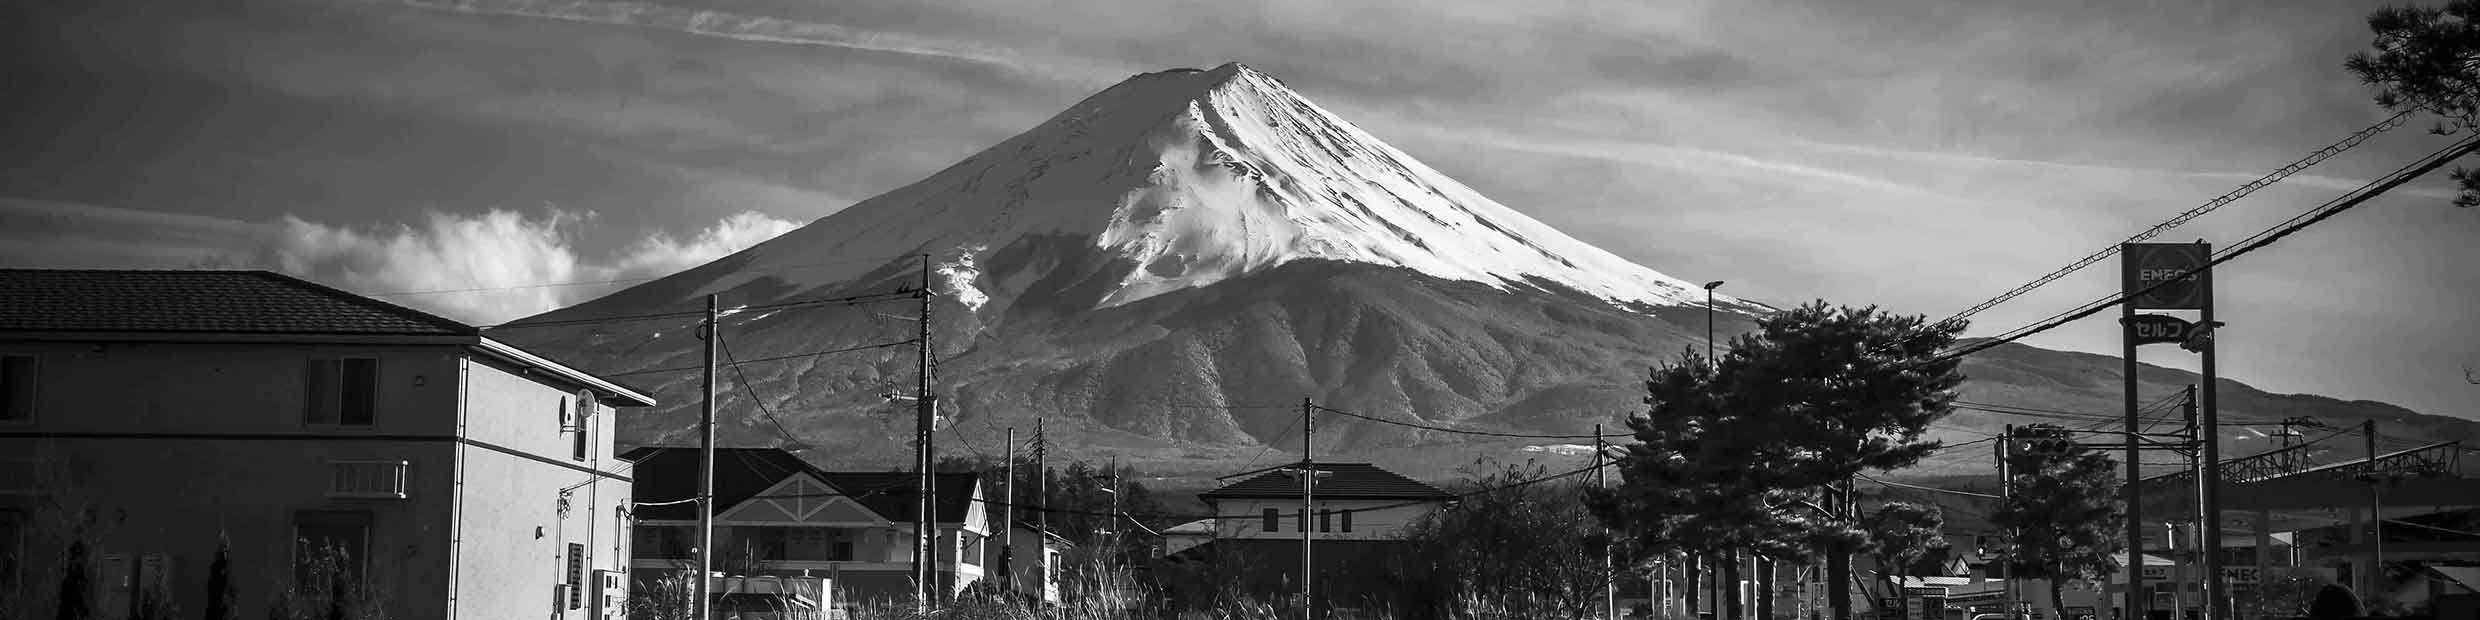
(585, 405)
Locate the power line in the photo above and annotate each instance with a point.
(866, 347)
(2425, 165)
(1927, 488)
(1443, 429)
(726, 348)
(2303, 163)
(848, 300)
(480, 289)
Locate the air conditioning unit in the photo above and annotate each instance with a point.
(610, 599)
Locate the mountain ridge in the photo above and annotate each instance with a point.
(1164, 270)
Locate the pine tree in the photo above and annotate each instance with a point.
(1901, 535)
(2063, 512)
(1727, 450)
(2428, 59)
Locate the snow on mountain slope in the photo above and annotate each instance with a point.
(1191, 178)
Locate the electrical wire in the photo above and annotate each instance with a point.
(479, 289)
(1926, 488)
(778, 358)
(2366, 192)
(725, 346)
(1459, 431)
(2303, 163)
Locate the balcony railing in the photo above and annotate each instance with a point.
(367, 479)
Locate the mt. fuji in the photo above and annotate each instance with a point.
(1162, 273)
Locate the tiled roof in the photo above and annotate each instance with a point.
(1349, 480)
(245, 302)
(665, 474)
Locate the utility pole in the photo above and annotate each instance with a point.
(1007, 516)
(925, 412)
(1838, 563)
(2216, 587)
(1042, 493)
(1309, 474)
(2006, 540)
(2195, 465)
(1610, 590)
(2134, 602)
(2376, 514)
(701, 609)
(1308, 501)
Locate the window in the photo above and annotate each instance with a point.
(366, 479)
(1326, 521)
(576, 575)
(1274, 521)
(577, 441)
(1347, 520)
(342, 392)
(16, 388)
(327, 541)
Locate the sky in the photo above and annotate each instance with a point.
(1918, 155)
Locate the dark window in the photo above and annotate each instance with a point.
(1326, 521)
(577, 441)
(341, 391)
(1274, 521)
(1347, 520)
(16, 387)
(576, 575)
(1304, 518)
(326, 541)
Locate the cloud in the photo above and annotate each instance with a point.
(497, 265)
(762, 29)
(660, 254)
(461, 266)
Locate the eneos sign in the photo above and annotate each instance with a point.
(2163, 264)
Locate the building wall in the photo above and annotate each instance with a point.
(1031, 563)
(1372, 520)
(171, 445)
(514, 533)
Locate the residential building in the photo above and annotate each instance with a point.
(1035, 562)
(1361, 511)
(151, 413)
(777, 515)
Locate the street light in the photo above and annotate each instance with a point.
(1709, 321)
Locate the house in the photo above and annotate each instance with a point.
(1035, 561)
(1360, 513)
(777, 515)
(149, 413)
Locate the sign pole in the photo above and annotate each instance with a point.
(2129, 281)
(2217, 589)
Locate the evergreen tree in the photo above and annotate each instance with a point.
(1728, 451)
(2428, 59)
(1901, 535)
(2063, 513)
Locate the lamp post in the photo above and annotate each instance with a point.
(1709, 321)
(1710, 366)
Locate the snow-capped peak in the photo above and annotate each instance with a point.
(1194, 177)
